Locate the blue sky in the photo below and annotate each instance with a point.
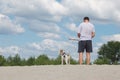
(31, 28)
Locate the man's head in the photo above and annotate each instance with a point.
(86, 19)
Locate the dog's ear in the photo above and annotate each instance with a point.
(61, 51)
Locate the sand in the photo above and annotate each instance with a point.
(61, 72)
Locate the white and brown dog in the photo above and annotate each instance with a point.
(64, 57)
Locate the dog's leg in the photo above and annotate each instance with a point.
(66, 59)
(61, 60)
(69, 59)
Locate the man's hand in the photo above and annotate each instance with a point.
(93, 34)
(78, 35)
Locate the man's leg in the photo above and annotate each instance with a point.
(81, 48)
(88, 50)
(88, 58)
(80, 58)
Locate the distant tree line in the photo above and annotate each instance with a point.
(108, 53)
(40, 60)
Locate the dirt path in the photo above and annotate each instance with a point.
(58, 72)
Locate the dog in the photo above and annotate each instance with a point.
(64, 57)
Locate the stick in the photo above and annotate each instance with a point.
(74, 39)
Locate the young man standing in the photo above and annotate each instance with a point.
(86, 32)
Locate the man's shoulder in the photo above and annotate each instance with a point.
(91, 24)
(84, 24)
(81, 24)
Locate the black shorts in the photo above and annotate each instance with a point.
(85, 45)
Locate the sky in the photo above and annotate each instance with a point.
(34, 27)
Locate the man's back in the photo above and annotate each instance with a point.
(85, 30)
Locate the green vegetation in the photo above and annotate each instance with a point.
(109, 53)
(40, 60)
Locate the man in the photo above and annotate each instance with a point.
(86, 32)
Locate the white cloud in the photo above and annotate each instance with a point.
(11, 50)
(99, 44)
(35, 46)
(52, 10)
(7, 26)
(99, 11)
(49, 35)
(72, 27)
(51, 47)
(49, 10)
(48, 29)
(49, 44)
(115, 37)
(38, 26)
(43, 15)
(96, 46)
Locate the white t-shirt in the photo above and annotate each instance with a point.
(85, 30)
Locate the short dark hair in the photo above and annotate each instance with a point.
(86, 18)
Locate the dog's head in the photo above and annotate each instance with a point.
(61, 52)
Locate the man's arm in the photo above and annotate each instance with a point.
(78, 35)
(93, 34)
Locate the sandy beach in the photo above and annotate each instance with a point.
(61, 72)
